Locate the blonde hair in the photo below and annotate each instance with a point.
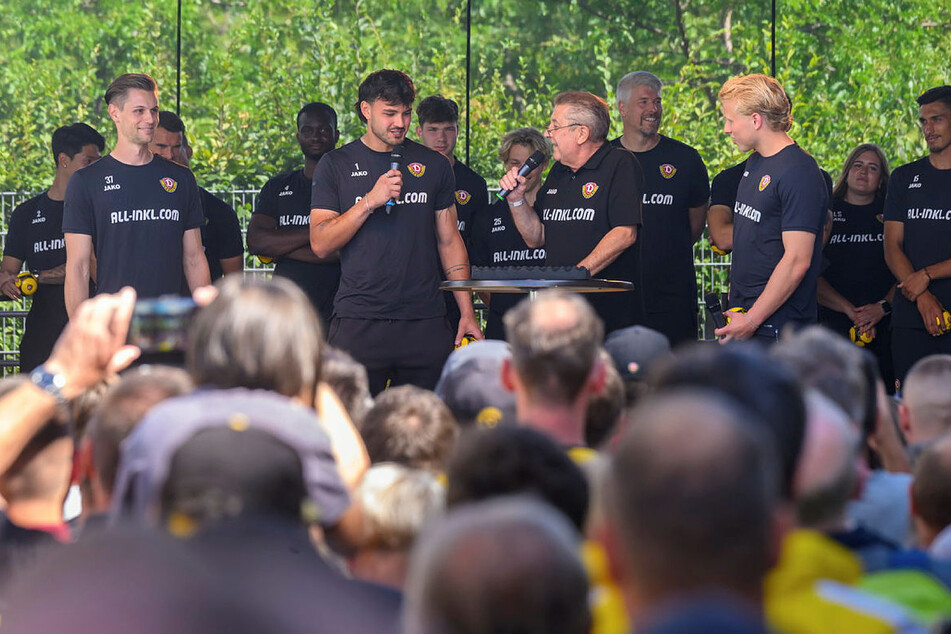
(761, 94)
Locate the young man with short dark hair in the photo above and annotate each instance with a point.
(35, 236)
(138, 214)
(280, 225)
(397, 234)
(438, 128)
(918, 239)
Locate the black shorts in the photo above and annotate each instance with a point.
(395, 351)
(909, 345)
(679, 326)
(44, 324)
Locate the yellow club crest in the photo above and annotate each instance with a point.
(764, 182)
(667, 170)
(169, 184)
(416, 169)
(462, 197)
(589, 189)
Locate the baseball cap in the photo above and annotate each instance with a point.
(147, 454)
(635, 349)
(471, 384)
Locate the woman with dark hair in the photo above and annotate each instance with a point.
(856, 287)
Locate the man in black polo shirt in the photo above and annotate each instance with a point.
(674, 208)
(138, 213)
(221, 232)
(918, 239)
(280, 224)
(588, 210)
(438, 128)
(35, 236)
(781, 206)
(397, 234)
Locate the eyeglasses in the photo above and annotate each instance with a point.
(551, 129)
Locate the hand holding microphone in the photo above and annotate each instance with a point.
(396, 161)
(514, 181)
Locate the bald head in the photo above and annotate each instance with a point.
(509, 564)
(926, 399)
(826, 474)
(555, 341)
(690, 493)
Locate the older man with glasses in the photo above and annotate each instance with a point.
(588, 210)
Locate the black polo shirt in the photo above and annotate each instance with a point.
(783, 192)
(919, 196)
(675, 180)
(579, 207)
(390, 269)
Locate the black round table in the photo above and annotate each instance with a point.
(533, 286)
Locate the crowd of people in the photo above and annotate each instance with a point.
(337, 448)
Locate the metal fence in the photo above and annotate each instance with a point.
(712, 272)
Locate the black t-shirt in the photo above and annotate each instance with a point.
(855, 254)
(919, 196)
(137, 216)
(675, 180)
(495, 241)
(390, 269)
(35, 234)
(579, 208)
(723, 188)
(286, 198)
(783, 192)
(472, 195)
(220, 233)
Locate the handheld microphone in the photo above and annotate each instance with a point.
(396, 161)
(712, 301)
(531, 163)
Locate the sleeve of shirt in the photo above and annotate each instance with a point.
(700, 182)
(445, 194)
(224, 228)
(77, 208)
(194, 214)
(624, 199)
(324, 193)
(267, 199)
(804, 199)
(16, 243)
(896, 187)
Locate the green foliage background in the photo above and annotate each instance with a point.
(852, 68)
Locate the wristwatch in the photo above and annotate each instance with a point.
(885, 306)
(50, 382)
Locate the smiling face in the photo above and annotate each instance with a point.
(741, 128)
(387, 122)
(865, 174)
(136, 117)
(935, 121)
(643, 111)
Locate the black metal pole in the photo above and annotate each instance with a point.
(772, 48)
(468, 68)
(178, 64)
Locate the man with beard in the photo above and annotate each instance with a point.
(395, 229)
